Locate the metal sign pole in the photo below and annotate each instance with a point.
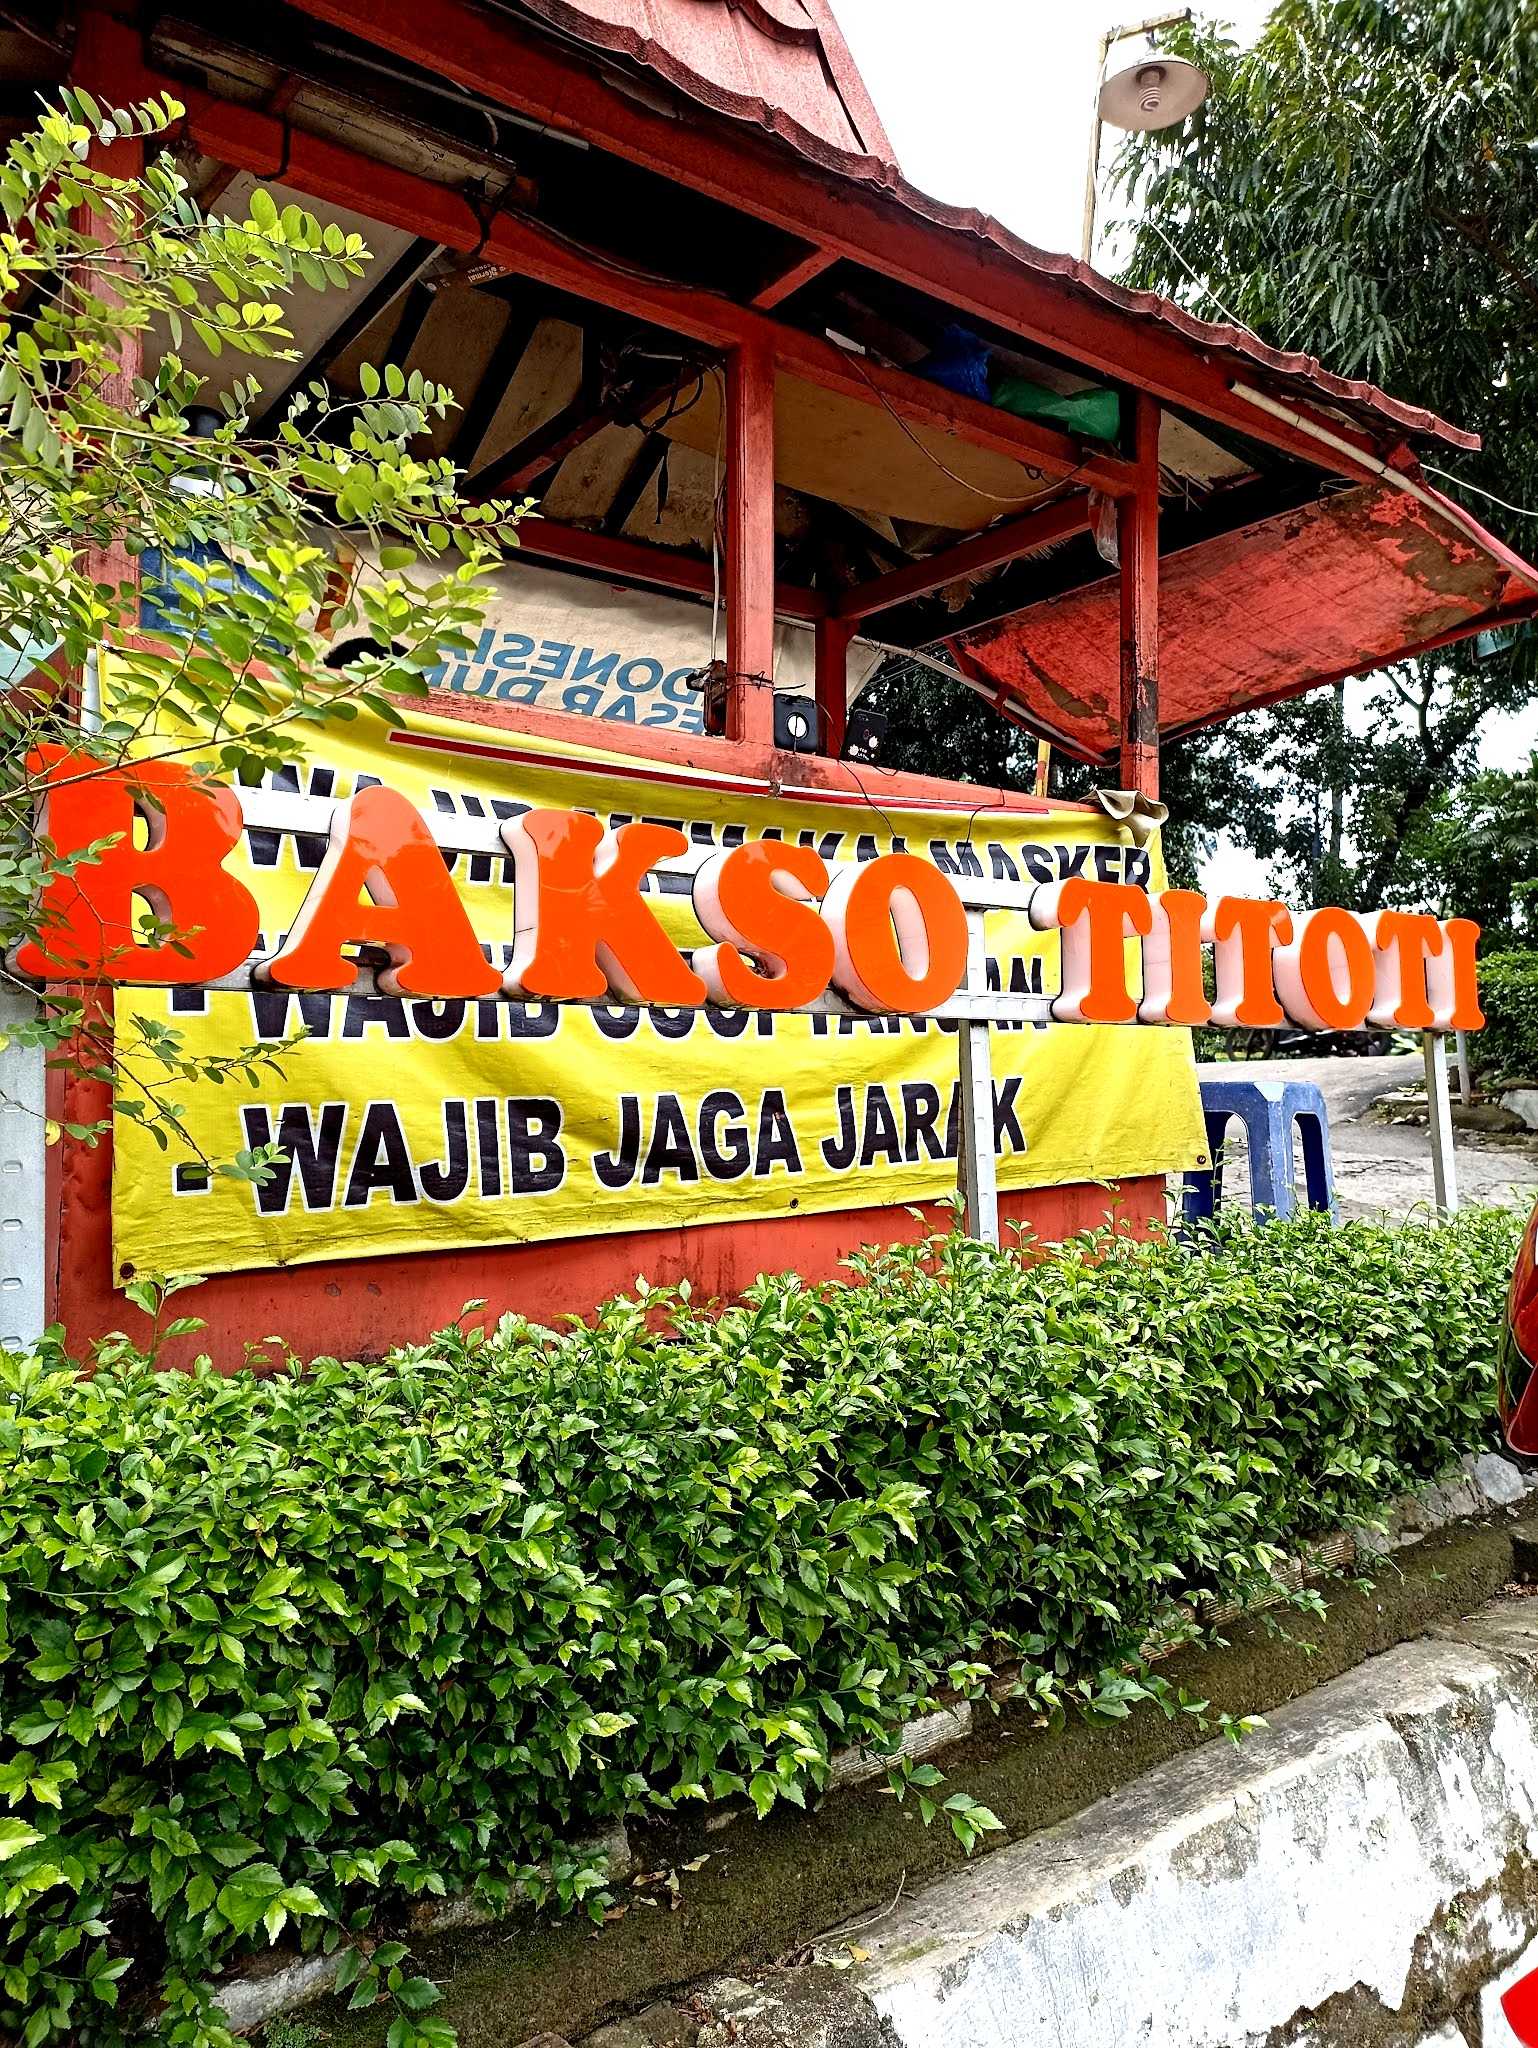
(1444, 1168)
(976, 1166)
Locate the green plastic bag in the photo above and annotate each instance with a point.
(1095, 414)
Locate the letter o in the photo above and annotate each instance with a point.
(648, 679)
(899, 934)
(1327, 977)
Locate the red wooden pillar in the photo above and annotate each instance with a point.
(1137, 534)
(833, 636)
(750, 544)
(80, 1174)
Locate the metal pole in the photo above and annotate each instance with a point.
(1444, 1168)
(977, 1172)
(1465, 1080)
(1092, 180)
(1118, 33)
(23, 1179)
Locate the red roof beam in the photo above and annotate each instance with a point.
(634, 561)
(983, 551)
(793, 277)
(523, 245)
(324, 170)
(849, 216)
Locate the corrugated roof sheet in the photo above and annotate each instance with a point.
(783, 66)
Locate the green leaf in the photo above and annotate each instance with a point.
(15, 1836)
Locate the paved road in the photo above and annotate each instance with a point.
(1386, 1168)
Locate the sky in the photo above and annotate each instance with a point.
(988, 103)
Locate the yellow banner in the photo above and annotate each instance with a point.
(417, 1125)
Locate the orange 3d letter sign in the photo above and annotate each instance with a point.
(888, 935)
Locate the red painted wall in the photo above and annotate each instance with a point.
(362, 1306)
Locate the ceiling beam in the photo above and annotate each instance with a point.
(546, 446)
(399, 277)
(644, 465)
(485, 401)
(635, 561)
(971, 557)
(791, 279)
(1047, 303)
(329, 171)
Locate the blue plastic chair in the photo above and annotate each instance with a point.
(1268, 1110)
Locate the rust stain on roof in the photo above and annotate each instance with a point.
(1349, 584)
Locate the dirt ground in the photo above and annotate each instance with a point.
(1384, 1168)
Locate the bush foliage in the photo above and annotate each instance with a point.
(1508, 995)
(278, 1656)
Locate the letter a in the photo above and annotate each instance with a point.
(381, 848)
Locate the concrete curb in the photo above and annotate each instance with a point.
(1365, 1870)
(268, 1987)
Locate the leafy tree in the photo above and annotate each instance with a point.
(1474, 853)
(258, 554)
(1362, 184)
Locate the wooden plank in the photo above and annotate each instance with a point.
(482, 406)
(644, 465)
(793, 277)
(402, 275)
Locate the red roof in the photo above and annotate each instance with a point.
(1338, 587)
(779, 64)
(783, 65)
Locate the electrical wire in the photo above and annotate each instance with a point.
(1197, 279)
(1522, 511)
(966, 483)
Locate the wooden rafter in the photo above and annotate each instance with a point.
(988, 550)
(400, 277)
(494, 55)
(330, 171)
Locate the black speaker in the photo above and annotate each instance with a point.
(863, 736)
(797, 723)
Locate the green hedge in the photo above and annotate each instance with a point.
(277, 1656)
(1508, 995)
